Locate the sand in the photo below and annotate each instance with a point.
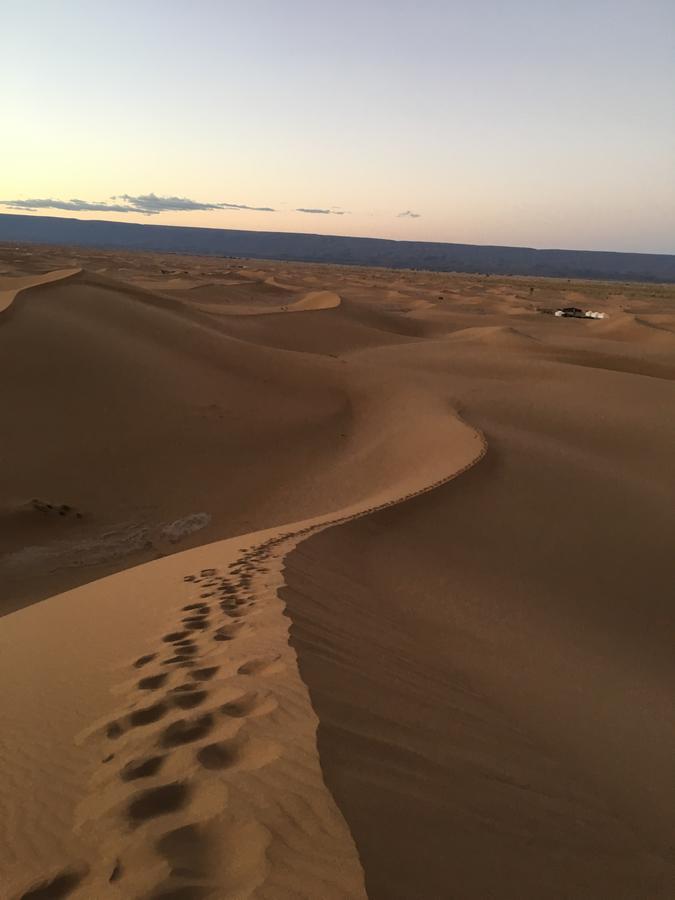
(372, 599)
(11, 286)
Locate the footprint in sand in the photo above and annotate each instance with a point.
(186, 849)
(188, 699)
(180, 660)
(229, 603)
(114, 730)
(147, 715)
(221, 755)
(144, 660)
(185, 731)
(152, 682)
(192, 852)
(238, 752)
(142, 768)
(249, 704)
(227, 632)
(159, 801)
(260, 666)
(205, 674)
(196, 624)
(173, 636)
(231, 853)
(185, 892)
(185, 648)
(236, 613)
(201, 612)
(58, 887)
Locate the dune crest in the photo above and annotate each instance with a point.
(11, 286)
(316, 300)
(210, 739)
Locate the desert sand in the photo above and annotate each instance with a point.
(333, 582)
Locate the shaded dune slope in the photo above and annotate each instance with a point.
(491, 663)
(142, 408)
(143, 405)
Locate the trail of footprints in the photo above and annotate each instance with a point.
(217, 615)
(174, 707)
(182, 672)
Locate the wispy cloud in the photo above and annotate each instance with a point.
(333, 211)
(151, 204)
(69, 205)
(244, 206)
(146, 204)
(408, 214)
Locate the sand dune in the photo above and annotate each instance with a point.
(263, 298)
(11, 286)
(514, 708)
(316, 300)
(367, 600)
(492, 336)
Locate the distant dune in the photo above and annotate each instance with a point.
(357, 251)
(332, 582)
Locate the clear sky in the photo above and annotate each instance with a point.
(529, 122)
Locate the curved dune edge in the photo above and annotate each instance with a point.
(10, 287)
(197, 752)
(313, 301)
(316, 300)
(307, 301)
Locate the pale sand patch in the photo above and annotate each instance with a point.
(316, 300)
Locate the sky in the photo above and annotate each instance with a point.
(527, 123)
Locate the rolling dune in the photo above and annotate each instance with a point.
(367, 600)
(11, 286)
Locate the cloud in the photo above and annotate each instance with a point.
(323, 212)
(146, 204)
(408, 214)
(244, 206)
(151, 204)
(69, 205)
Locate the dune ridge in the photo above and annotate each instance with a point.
(220, 693)
(10, 287)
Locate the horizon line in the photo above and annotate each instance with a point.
(345, 237)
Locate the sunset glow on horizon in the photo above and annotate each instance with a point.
(532, 124)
